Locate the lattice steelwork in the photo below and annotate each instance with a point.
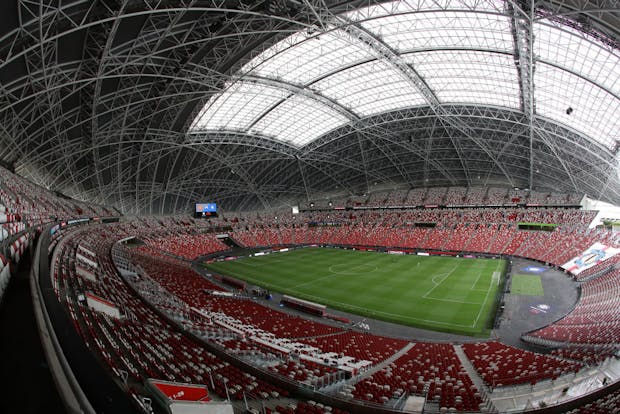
(469, 77)
(238, 107)
(151, 105)
(370, 88)
(576, 102)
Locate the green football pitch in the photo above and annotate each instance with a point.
(440, 293)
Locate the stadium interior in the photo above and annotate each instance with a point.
(310, 206)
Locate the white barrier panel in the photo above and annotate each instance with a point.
(230, 328)
(85, 250)
(201, 313)
(220, 407)
(270, 345)
(86, 260)
(297, 301)
(596, 254)
(423, 254)
(86, 274)
(222, 293)
(101, 305)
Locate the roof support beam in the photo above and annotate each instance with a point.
(523, 37)
(390, 56)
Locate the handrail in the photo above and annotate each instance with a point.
(69, 389)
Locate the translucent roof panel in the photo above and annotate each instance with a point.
(238, 106)
(410, 6)
(593, 111)
(463, 50)
(310, 58)
(444, 29)
(370, 88)
(299, 120)
(469, 77)
(579, 53)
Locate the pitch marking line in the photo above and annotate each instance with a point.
(453, 300)
(345, 306)
(475, 282)
(312, 281)
(445, 276)
(244, 263)
(341, 273)
(496, 275)
(351, 271)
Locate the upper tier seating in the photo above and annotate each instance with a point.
(475, 230)
(452, 196)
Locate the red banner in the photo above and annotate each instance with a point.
(182, 392)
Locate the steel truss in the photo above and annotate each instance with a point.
(96, 100)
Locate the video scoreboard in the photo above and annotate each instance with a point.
(205, 210)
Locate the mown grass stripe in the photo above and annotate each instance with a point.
(441, 293)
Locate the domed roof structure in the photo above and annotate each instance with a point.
(151, 106)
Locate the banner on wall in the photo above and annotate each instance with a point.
(596, 254)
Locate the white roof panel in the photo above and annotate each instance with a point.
(567, 48)
(411, 6)
(238, 106)
(469, 77)
(594, 111)
(309, 59)
(370, 88)
(462, 49)
(299, 120)
(443, 29)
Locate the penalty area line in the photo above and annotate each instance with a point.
(438, 284)
(496, 274)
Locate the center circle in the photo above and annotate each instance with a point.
(345, 269)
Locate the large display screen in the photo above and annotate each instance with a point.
(206, 208)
